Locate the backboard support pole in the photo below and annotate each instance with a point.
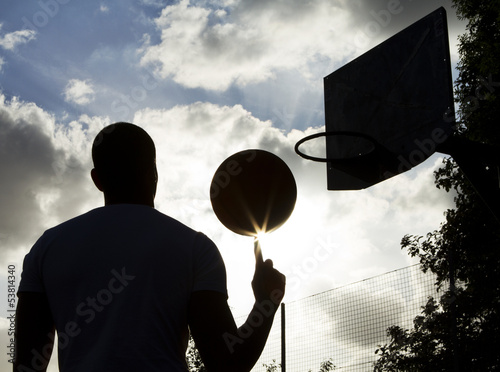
(481, 165)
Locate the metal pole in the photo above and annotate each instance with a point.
(283, 343)
(453, 307)
(481, 165)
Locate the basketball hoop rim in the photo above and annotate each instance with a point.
(376, 145)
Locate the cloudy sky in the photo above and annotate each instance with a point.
(206, 79)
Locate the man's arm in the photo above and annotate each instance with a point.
(223, 346)
(34, 332)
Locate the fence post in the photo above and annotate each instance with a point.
(283, 343)
(453, 310)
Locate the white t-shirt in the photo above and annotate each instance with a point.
(118, 280)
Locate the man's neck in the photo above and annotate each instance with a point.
(138, 200)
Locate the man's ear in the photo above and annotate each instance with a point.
(95, 178)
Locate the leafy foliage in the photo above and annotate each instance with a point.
(478, 83)
(273, 367)
(461, 330)
(325, 366)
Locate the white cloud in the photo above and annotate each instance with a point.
(44, 170)
(104, 8)
(2, 62)
(213, 48)
(209, 46)
(80, 92)
(155, 3)
(11, 40)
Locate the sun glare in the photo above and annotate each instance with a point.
(261, 236)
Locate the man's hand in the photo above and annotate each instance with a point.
(268, 283)
(224, 347)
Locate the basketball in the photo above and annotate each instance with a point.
(253, 191)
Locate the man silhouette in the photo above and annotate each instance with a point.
(121, 284)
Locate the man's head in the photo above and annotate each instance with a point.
(124, 159)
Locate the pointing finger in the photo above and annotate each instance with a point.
(259, 260)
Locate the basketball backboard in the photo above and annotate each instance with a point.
(399, 97)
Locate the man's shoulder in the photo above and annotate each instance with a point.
(121, 214)
(77, 220)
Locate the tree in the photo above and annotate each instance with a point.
(325, 366)
(273, 367)
(461, 329)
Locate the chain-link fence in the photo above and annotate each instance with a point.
(345, 325)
